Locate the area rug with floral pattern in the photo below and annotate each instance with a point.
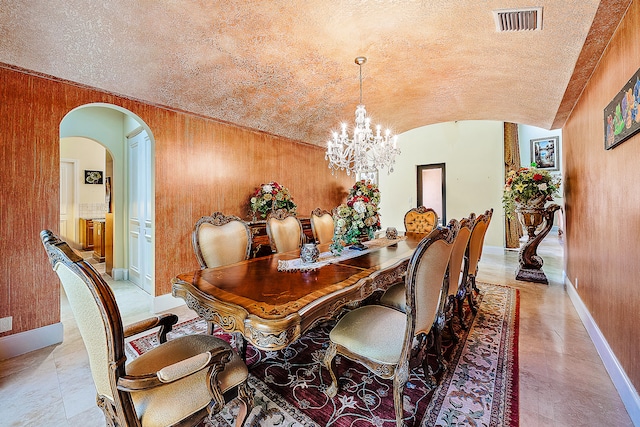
(480, 386)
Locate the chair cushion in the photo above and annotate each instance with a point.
(323, 228)
(91, 325)
(395, 297)
(420, 222)
(286, 233)
(223, 244)
(372, 331)
(170, 403)
(456, 261)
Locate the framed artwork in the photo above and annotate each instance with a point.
(93, 177)
(544, 152)
(621, 116)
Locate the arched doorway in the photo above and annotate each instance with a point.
(112, 127)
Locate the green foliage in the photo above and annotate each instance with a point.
(356, 217)
(527, 185)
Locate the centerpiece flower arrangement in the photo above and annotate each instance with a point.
(529, 187)
(358, 217)
(271, 197)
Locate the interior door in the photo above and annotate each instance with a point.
(140, 214)
(432, 189)
(68, 217)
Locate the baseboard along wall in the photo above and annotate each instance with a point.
(626, 390)
(34, 339)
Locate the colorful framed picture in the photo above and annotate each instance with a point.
(621, 116)
(544, 152)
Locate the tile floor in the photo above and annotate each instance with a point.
(562, 380)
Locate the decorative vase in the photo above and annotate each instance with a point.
(391, 233)
(531, 216)
(309, 253)
(534, 203)
(364, 236)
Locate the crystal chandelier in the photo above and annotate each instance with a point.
(365, 152)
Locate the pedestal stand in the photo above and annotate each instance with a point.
(530, 269)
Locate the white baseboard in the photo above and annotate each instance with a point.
(120, 274)
(165, 302)
(35, 339)
(626, 390)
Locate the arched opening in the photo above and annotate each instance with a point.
(126, 190)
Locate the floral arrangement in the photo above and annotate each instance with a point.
(358, 217)
(271, 197)
(529, 186)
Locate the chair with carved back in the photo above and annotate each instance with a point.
(489, 214)
(420, 220)
(474, 252)
(458, 275)
(178, 383)
(322, 226)
(394, 296)
(284, 231)
(417, 221)
(220, 240)
(389, 342)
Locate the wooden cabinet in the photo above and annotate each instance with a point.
(86, 234)
(98, 240)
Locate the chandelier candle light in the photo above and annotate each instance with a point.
(365, 152)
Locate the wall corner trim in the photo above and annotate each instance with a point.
(626, 390)
(34, 339)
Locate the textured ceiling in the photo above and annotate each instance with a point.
(287, 67)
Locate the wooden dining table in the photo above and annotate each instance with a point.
(272, 308)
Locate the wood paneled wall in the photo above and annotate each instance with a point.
(602, 197)
(202, 166)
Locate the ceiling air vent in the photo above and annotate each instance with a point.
(529, 18)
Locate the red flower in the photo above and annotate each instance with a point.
(537, 177)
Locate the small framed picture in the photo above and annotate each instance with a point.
(544, 152)
(93, 177)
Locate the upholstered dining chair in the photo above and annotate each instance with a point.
(383, 339)
(395, 295)
(284, 231)
(177, 383)
(221, 240)
(420, 220)
(322, 226)
(476, 243)
(458, 271)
